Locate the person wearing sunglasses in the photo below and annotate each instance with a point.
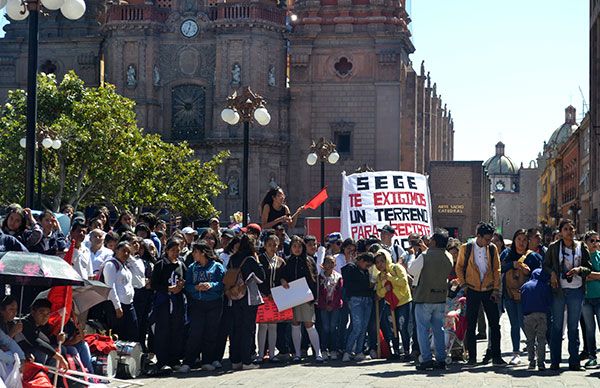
(591, 304)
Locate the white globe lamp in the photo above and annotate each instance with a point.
(23, 142)
(334, 157)
(47, 143)
(262, 116)
(56, 144)
(14, 9)
(53, 5)
(73, 9)
(311, 159)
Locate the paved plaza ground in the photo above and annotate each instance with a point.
(381, 373)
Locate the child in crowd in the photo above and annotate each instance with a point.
(359, 292)
(392, 287)
(330, 303)
(536, 299)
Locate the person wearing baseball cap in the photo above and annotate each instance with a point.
(386, 234)
(334, 243)
(252, 229)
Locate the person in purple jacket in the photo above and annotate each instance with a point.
(330, 302)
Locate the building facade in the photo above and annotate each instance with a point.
(460, 196)
(594, 124)
(338, 69)
(567, 173)
(514, 192)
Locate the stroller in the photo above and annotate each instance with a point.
(455, 327)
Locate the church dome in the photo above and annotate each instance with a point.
(562, 133)
(500, 164)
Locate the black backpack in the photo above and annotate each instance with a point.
(100, 276)
(468, 250)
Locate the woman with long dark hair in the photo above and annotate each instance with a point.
(125, 222)
(274, 211)
(299, 265)
(204, 288)
(169, 306)
(568, 263)
(243, 311)
(16, 221)
(516, 266)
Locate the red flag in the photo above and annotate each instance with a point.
(390, 297)
(317, 200)
(61, 298)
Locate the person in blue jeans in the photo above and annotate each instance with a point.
(204, 288)
(330, 303)
(516, 266)
(359, 293)
(568, 263)
(591, 304)
(432, 268)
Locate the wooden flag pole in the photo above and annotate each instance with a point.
(62, 326)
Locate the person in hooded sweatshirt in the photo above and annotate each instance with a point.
(392, 278)
(536, 299)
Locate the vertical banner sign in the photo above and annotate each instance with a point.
(371, 200)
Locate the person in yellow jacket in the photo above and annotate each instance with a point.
(478, 268)
(394, 291)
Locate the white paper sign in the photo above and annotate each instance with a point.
(298, 293)
(371, 200)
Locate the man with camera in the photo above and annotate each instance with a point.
(568, 263)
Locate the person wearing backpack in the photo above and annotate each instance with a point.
(168, 308)
(117, 275)
(478, 269)
(516, 267)
(243, 267)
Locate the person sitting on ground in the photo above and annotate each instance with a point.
(35, 337)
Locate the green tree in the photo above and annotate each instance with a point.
(104, 156)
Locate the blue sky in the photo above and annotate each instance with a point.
(506, 69)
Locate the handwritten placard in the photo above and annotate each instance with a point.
(268, 312)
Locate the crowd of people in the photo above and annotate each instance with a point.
(183, 294)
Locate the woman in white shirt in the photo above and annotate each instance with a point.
(118, 276)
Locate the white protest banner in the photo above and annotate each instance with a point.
(371, 200)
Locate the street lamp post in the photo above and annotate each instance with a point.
(323, 151)
(44, 142)
(20, 10)
(248, 107)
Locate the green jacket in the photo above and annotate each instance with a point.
(552, 265)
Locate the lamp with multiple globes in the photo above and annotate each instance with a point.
(30, 9)
(246, 106)
(323, 151)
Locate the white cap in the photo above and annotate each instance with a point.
(188, 230)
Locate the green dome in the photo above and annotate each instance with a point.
(500, 164)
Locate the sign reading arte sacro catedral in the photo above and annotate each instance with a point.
(371, 200)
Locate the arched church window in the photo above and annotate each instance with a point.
(188, 112)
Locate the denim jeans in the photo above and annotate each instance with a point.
(573, 300)
(343, 328)
(430, 316)
(515, 316)
(327, 334)
(591, 315)
(360, 312)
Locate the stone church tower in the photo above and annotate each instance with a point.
(352, 82)
(180, 59)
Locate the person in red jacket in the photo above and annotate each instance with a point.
(329, 303)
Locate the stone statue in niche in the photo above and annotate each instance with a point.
(271, 77)
(236, 75)
(233, 186)
(131, 76)
(272, 183)
(189, 5)
(155, 76)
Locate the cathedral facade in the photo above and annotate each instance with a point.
(338, 69)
